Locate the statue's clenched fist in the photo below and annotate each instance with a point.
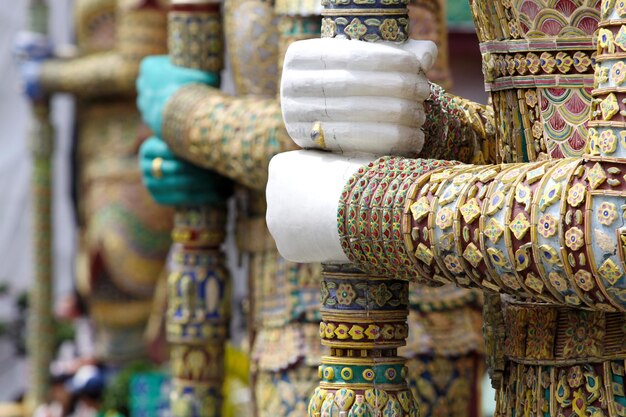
(348, 96)
(174, 182)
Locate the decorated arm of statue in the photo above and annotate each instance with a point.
(140, 32)
(549, 231)
(235, 137)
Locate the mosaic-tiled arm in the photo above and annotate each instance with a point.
(233, 136)
(141, 31)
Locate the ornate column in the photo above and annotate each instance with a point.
(198, 286)
(364, 316)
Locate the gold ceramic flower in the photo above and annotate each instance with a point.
(453, 264)
(531, 97)
(546, 226)
(618, 72)
(557, 281)
(584, 280)
(444, 218)
(389, 29)
(345, 294)
(574, 238)
(576, 195)
(607, 213)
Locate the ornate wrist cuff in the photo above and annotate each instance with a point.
(384, 20)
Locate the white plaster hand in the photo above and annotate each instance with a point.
(303, 192)
(350, 96)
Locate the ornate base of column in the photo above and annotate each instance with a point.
(562, 362)
(363, 323)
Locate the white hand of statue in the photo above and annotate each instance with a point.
(350, 96)
(303, 192)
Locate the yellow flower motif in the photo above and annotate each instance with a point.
(537, 130)
(453, 264)
(444, 218)
(389, 30)
(550, 195)
(618, 72)
(607, 213)
(346, 374)
(345, 294)
(607, 142)
(584, 280)
(574, 238)
(576, 195)
(557, 281)
(322, 329)
(546, 226)
(369, 374)
(531, 98)
(581, 61)
(564, 62)
(609, 107)
(514, 29)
